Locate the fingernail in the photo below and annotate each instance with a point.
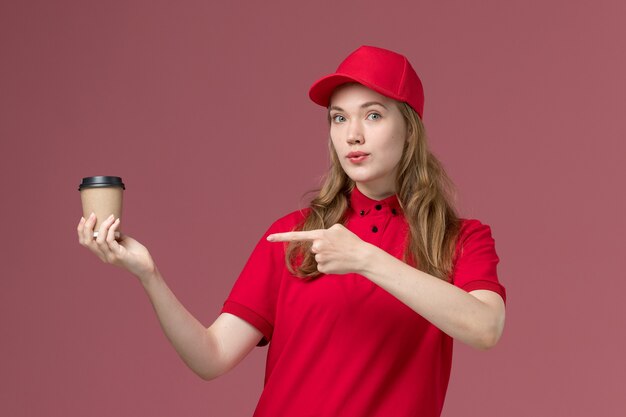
(110, 217)
(270, 238)
(92, 214)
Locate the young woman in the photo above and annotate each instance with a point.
(361, 294)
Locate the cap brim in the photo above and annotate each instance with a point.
(321, 90)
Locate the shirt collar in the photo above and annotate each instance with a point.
(361, 203)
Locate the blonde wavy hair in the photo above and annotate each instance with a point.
(424, 191)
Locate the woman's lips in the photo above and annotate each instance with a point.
(356, 157)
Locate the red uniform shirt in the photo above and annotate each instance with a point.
(342, 346)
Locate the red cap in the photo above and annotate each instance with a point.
(382, 70)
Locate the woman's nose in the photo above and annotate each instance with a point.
(355, 134)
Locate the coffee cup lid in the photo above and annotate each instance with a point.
(101, 181)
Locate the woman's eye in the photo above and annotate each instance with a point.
(338, 118)
(373, 116)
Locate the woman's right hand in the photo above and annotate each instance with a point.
(125, 252)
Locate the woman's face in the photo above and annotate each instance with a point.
(368, 133)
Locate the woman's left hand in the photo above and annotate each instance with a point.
(337, 250)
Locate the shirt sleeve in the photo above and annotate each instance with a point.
(254, 295)
(475, 267)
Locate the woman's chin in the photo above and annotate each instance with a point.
(360, 179)
(358, 175)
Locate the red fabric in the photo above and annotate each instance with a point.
(342, 346)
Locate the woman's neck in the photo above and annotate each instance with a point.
(375, 193)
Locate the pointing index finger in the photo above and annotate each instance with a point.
(293, 236)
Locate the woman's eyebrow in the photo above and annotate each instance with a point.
(373, 103)
(364, 105)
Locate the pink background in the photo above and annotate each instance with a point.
(202, 108)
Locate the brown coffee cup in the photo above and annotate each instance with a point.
(102, 195)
